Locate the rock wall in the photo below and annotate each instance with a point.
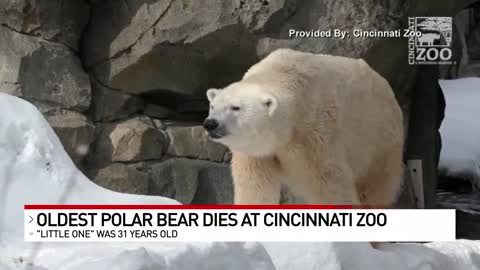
(466, 43)
(39, 61)
(123, 82)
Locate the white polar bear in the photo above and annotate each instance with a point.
(328, 127)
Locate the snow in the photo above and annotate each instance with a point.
(460, 129)
(34, 168)
(461, 254)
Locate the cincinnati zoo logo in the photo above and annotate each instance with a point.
(429, 40)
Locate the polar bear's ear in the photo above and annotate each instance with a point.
(270, 103)
(212, 93)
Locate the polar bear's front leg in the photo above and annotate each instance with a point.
(255, 180)
(326, 184)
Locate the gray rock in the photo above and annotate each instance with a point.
(42, 71)
(215, 185)
(54, 20)
(123, 178)
(11, 87)
(176, 179)
(466, 35)
(159, 124)
(330, 15)
(171, 70)
(192, 181)
(109, 104)
(194, 106)
(156, 111)
(174, 46)
(136, 139)
(227, 157)
(110, 18)
(74, 131)
(46, 108)
(178, 123)
(193, 142)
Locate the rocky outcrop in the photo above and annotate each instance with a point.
(193, 142)
(123, 82)
(74, 130)
(39, 44)
(58, 21)
(123, 178)
(192, 181)
(185, 178)
(42, 71)
(108, 104)
(173, 161)
(136, 139)
(174, 46)
(465, 43)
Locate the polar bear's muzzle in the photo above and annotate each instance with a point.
(214, 129)
(210, 124)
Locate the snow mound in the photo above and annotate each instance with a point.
(460, 130)
(172, 256)
(458, 255)
(35, 169)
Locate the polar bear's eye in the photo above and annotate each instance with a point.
(211, 107)
(235, 108)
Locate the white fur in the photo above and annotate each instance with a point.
(328, 127)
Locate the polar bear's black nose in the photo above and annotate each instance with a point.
(210, 124)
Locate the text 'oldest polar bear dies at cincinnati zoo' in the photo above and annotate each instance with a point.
(328, 127)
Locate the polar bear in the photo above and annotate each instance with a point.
(328, 127)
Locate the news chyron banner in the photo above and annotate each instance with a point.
(227, 223)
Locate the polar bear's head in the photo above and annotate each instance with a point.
(243, 117)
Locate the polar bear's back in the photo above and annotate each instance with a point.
(343, 99)
(318, 81)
